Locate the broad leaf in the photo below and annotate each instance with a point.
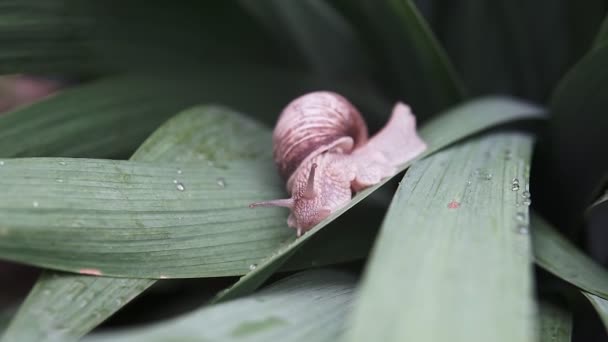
(454, 125)
(178, 219)
(467, 201)
(140, 219)
(309, 306)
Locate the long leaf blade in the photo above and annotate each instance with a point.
(454, 125)
(67, 306)
(309, 306)
(452, 208)
(80, 214)
(113, 116)
(601, 307)
(559, 256)
(403, 44)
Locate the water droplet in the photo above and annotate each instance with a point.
(62, 163)
(1, 162)
(180, 186)
(175, 181)
(59, 180)
(35, 204)
(488, 176)
(253, 267)
(527, 201)
(221, 182)
(515, 184)
(179, 171)
(523, 230)
(469, 182)
(520, 216)
(525, 194)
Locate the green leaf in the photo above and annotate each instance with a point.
(112, 117)
(578, 100)
(67, 306)
(502, 46)
(559, 256)
(601, 307)
(70, 36)
(555, 323)
(467, 201)
(308, 306)
(454, 125)
(407, 53)
(320, 35)
(140, 219)
(64, 307)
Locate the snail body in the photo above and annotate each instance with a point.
(322, 149)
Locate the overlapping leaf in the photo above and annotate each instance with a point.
(111, 117)
(408, 57)
(309, 306)
(452, 126)
(464, 202)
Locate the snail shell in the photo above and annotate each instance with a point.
(313, 124)
(321, 147)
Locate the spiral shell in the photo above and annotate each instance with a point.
(312, 124)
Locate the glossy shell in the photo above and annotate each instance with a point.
(312, 124)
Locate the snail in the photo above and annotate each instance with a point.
(322, 149)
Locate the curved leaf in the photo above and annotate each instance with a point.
(323, 38)
(454, 125)
(137, 219)
(464, 202)
(559, 256)
(578, 100)
(601, 307)
(405, 48)
(112, 117)
(56, 302)
(64, 307)
(70, 36)
(308, 306)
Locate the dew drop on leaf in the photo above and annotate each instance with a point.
(180, 186)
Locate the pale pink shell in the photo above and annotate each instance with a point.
(315, 123)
